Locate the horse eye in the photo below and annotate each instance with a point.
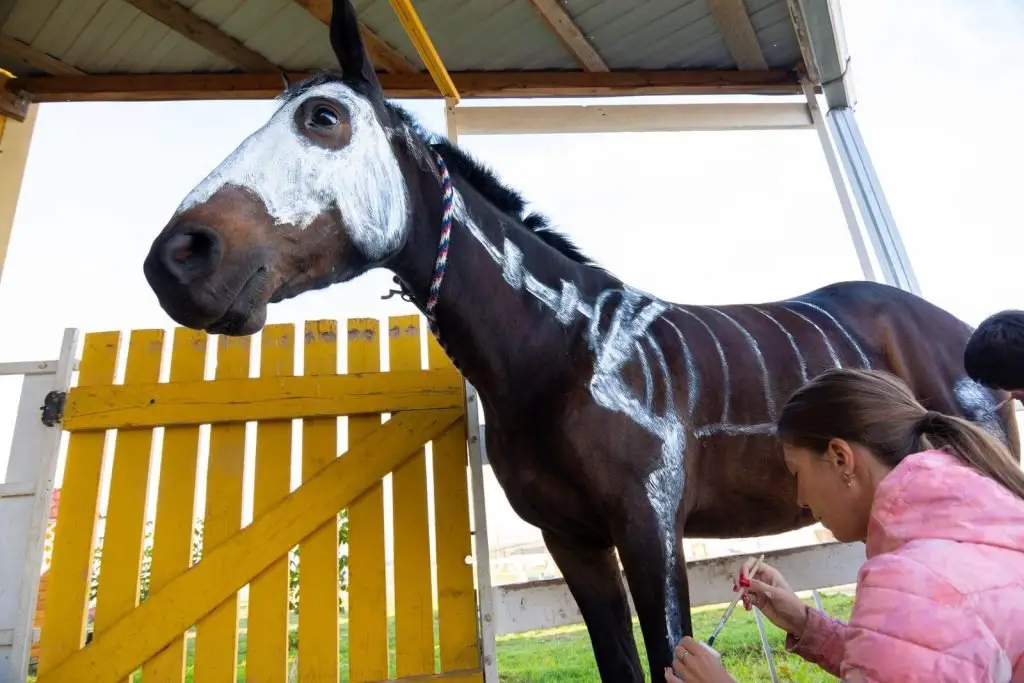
(324, 117)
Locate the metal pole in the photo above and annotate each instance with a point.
(484, 591)
(874, 209)
(852, 222)
(766, 646)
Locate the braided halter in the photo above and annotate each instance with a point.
(441, 260)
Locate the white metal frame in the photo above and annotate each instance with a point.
(874, 209)
(482, 549)
(548, 604)
(25, 498)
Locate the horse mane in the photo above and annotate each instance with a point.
(485, 181)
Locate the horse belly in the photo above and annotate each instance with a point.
(744, 489)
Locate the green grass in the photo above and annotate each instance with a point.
(564, 655)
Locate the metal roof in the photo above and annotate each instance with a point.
(189, 49)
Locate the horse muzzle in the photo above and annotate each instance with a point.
(203, 285)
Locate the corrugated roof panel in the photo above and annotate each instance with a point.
(93, 31)
(251, 17)
(654, 35)
(774, 31)
(100, 36)
(119, 37)
(379, 17)
(27, 19)
(489, 35)
(130, 54)
(214, 11)
(64, 25)
(286, 34)
(472, 34)
(120, 45)
(313, 51)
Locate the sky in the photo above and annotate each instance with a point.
(691, 217)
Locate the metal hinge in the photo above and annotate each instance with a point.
(53, 407)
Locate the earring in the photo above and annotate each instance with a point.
(847, 479)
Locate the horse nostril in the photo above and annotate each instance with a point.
(191, 252)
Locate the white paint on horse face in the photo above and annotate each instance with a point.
(297, 180)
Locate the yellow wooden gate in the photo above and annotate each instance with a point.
(156, 636)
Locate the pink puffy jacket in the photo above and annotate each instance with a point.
(941, 596)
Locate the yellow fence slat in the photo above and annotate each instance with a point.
(169, 611)
(216, 656)
(456, 597)
(175, 509)
(318, 554)
(367, 580)
(469, 676)
(121, 564)
(74, 536)
(414, 613)
(266, 398)
(267, 640)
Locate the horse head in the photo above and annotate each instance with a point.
(316, 196)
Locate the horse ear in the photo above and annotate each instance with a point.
(348, 47)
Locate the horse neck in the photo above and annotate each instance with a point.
(507, 314)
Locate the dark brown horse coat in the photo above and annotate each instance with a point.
(615, 420)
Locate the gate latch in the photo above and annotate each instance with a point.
(53, 407)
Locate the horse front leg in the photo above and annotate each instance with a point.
(655, 568)
(592, 574)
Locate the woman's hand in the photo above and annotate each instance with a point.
(695, 664)
(770, 593)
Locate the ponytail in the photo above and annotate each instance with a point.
(972, 445)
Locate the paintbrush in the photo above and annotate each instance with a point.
(732, 605)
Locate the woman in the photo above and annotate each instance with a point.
(940, 506)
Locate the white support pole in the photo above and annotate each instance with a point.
(874, 209)
(24, 508)
(852, 222)
(484, 591)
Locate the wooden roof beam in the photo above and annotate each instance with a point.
(739, 35)
(796, 17)
(381, 54)
(480, 84)
(36, 59)
(182, 20)
(559, 21)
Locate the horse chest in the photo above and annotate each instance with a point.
(540, 489)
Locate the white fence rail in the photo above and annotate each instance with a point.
(25, 493)
(547, 604)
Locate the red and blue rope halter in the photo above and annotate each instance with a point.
(441, 260)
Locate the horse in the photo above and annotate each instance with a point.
(617, 422)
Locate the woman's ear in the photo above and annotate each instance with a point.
(347, 42)
(841, 455)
